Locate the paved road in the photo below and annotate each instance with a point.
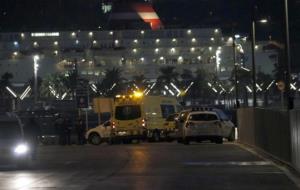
(146, 166)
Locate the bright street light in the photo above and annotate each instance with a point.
(36, 58)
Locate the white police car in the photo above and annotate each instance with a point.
(14, 149)
(201, 124)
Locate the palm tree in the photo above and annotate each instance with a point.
(200, 89)
(167, 75)
(265, 80)
(139, 80)
(5, 81)
(112, 82)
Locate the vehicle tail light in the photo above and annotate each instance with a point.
(113, 125)
(143, 123)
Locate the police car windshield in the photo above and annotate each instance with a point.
(9, 130)
(128, 112)
(203, 117)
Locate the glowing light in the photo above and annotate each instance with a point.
(216, 31)
(55, 43)
(134, 50)
(111, 33)
(35, 44)
(45, 34)
(137, 94)
(11, 92)
(161, 58)
(173, 50)
(22, 35)
(116, 42)
(135, 41)
(199, 58)
(156, 50)
(15, 53)
(212, 39)
(21, 149)
(77, 41)
(91, 34)
(194, 40)
(192, 49)
(73, 34)
(174, 40)
(142, 32)
(263, 21)
(55, 52)
(256, 47)
(157, 40)
(142, 59)
(210, 48)
(16, 43)
(94, 42)
(189, 31)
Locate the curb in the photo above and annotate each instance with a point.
(287, 168)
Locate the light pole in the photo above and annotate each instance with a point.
(35, 70)
(290, 100)
(253, 43)
(235, 72)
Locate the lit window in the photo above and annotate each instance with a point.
(77, 41)
(157, 41)
(192, 49)
(219, 48)
(91, 34)
(199, 58)
(16, 43)
(116, 42)
(156, 50)
(45, 34)
(180, 58)
(210, 48)
(194, 40)
(216, 31)
(212, 39)
(142, 32)
(142, 59)
(15, 53)
(173, 50)
(135, 41)
(55, 52)
(134, 50)
(189, 31)
(256, 47)
(161, 58)
(73, 34)
(94, 42)
(174, 40)
(35, 44)
(22, 35)
(55, 43)
(111, 33)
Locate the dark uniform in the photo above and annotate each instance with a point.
(80, 128)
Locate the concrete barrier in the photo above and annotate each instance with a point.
(267, 130)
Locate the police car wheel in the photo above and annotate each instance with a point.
(94, 139)
(219, 140)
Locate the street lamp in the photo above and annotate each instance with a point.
(35, 70)
(253, 30)
(235, 71)
(290, 100)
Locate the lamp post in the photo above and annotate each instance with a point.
(290, 100)
(35, 70)
(253, 43)
(235, 72)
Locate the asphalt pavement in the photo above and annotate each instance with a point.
(146, 166)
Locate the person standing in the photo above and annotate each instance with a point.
(59, 123)
(80, 131)
(32, 132)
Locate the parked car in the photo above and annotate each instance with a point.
(199, 124)
(99, 134)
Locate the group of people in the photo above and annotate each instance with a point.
(64, 127)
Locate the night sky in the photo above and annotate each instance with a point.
(233, 16)
(230, 15)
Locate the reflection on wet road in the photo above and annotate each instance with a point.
(146, 166)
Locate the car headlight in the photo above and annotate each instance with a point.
(21, 149)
